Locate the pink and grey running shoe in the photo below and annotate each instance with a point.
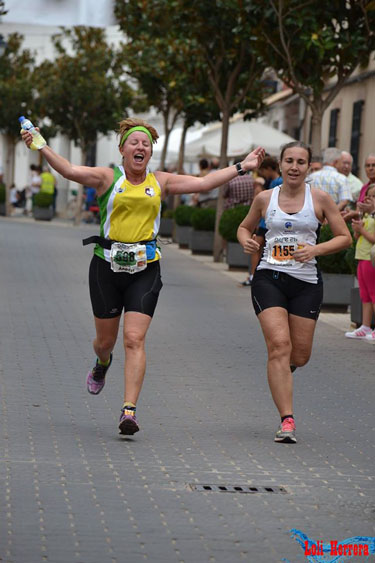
(128, 422)
(286, 432)
(96, 378)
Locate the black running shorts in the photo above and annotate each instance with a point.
(277, 289)
(112, 292)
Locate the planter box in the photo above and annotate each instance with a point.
(236, 258)
(2, 208)
(166, 227)
(202, 242)
(356, 307)
(337, 288)
(43, 213)
(183, 236)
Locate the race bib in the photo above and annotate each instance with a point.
(130, 258)
(280, 250)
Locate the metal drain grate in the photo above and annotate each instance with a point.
(237, 489)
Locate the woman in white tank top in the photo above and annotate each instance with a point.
(287, 288)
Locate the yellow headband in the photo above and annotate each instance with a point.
(137, 128)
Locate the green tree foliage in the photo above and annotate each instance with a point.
(162, 67)
(312, 44)
(83, 91)
(17, 96)
(211, 43)
(2, 8)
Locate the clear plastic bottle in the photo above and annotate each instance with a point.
(38, 141)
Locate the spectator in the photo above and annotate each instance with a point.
(35, 180)
(364, 232)
(209, 199)
(47, 184)
(331, 181)
(362, 206)
(344, 166)
(316, 164)
(239, 190)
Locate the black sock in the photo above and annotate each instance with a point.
(286, 416)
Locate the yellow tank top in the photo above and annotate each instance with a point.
(128, 212)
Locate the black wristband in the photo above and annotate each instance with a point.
(240, 172)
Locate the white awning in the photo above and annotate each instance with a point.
(244, 136)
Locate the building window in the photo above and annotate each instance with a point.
(333, 127)
(356, 134)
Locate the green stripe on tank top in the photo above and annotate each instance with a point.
(102, 202)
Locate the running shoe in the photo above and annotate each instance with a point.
(370, 337)
(286, 432)
(128, 422)
(246, 283)
(359, 334)
(96, 378)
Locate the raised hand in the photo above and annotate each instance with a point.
(254, 159)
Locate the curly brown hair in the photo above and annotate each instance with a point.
(130, 122)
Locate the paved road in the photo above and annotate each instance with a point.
(73, 491)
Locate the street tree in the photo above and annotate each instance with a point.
(84, 91)
(151, 59)
(216, 38)
(17, 97)
(315, 47)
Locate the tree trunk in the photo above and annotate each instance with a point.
(218, 241)
(165, 148)
(9, 172)
(78, 210)
(181, 153)
(180, 165)
(316, 137)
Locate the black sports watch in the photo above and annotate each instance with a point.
(240, 172)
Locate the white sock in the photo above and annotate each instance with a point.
(365, 328)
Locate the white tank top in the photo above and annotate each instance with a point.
(285, 232)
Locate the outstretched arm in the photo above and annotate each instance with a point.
(96, 177)
(180, 184)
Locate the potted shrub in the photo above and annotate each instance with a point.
(2, 198)
(228, 225)
(42, 206)
(182, 217)
(166, 223)
(338, 271)
(202, 235)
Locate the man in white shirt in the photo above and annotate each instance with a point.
(330, 180)
(344, 166)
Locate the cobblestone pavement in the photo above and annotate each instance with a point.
(73, 491)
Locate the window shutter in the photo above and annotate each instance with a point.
(333, 127)
(356, 134)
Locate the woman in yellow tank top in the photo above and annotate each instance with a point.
(125, 270)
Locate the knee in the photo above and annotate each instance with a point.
(300, 358)
(104, 344)
(133, 340)
(279, 348)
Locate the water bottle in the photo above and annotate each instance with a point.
(38, 141)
